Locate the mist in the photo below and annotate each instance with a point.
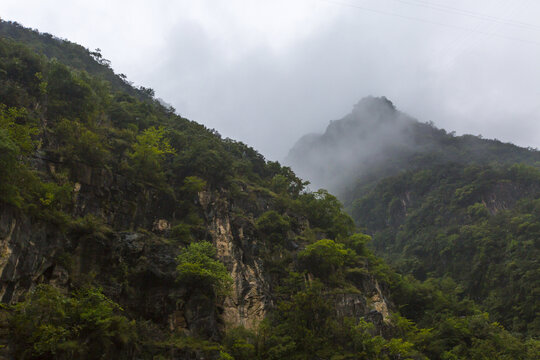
(363, 139)
(268, 73)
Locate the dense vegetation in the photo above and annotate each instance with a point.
(71, 54)
(478, 225)
(49, 325)
(59, 116)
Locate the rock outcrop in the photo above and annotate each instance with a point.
(129, 257)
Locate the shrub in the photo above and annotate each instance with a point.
(50, 325)
(323, 257)
(198, 268)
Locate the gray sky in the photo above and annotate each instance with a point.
(267, 72)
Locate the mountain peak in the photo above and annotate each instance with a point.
(374, 110)
(374, 104)
(370, 114)
(376, 140)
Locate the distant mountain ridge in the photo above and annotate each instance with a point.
(348, 143)
(377, 140)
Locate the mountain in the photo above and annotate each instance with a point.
(129, 232)
(362, 138)
(438, 205)
(377, 140)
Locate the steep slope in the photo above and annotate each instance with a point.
(476, 224)
(129, 232)
(70, 54)
(438, 205)
(100, 188)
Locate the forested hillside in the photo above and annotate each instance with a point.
(129, 232)
(477, 224)
(439, 205)
(70, 54)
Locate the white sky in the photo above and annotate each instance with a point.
(267, 72)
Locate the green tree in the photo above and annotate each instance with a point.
(86, 325)
(198, 268)
(323, 258)
(148, 153)
(272, 226)
(82, 144)
(325, 211)
(16, 144)
(240, 343)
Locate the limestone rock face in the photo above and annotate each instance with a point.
(250, 296)
(370, 304)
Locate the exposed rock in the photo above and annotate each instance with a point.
(138, 268)
(161, 225)
(247, 304)
(504, 195)
(370, 304)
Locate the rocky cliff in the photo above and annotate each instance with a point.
(122, 242)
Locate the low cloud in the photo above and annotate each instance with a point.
(268, 74)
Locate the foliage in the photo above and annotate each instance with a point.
(67, 53)
(474, 230)
(323, 258)
(50, 325)
(305, 328)
(240, 343)
(17, 142)
(324, 211)
(148, 153)
(80, 144)
(193, 185)
(273, 226)
(198, 268)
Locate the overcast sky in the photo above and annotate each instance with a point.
(267, 72)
